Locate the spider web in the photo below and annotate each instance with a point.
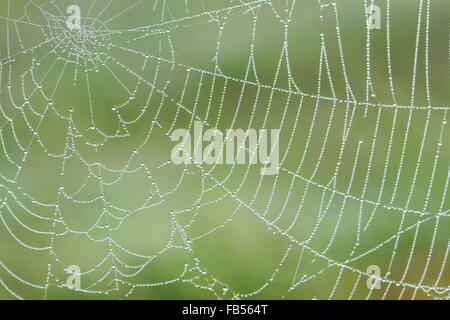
(86, 177)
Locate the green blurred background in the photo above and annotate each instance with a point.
(364, 153)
